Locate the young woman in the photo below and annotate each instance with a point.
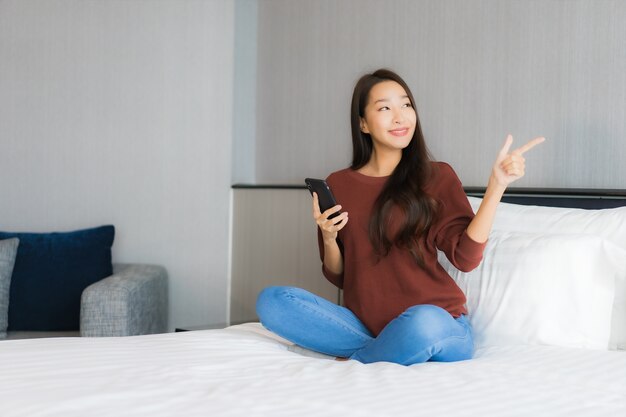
(397, 207)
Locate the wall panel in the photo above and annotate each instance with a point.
(274, 243)
(479, 69)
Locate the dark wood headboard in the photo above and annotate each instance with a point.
(559, 197)
(552, 197)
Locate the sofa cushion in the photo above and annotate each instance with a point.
(51, 271)
(8, 250)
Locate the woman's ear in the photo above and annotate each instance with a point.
(363, 125)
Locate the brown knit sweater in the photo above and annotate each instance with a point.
(377, 292)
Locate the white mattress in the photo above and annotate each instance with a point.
(246, 371)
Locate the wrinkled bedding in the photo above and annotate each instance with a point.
(245, 370)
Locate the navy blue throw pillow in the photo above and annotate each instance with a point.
(50, 273)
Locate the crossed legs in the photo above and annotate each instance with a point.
(421, 333)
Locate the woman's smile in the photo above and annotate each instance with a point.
(400, 131)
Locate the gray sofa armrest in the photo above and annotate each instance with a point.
(132, 301)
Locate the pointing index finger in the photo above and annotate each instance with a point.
(530, 145)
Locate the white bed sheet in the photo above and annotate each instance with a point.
(246, 371)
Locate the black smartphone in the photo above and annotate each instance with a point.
(325, 197)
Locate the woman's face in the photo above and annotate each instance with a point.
(389, 117)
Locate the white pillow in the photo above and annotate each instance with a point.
(608, 223)
(542, 289)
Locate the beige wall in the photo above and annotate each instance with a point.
(479, 69)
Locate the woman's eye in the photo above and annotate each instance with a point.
(408, 105)
(383, 108)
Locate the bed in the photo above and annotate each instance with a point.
(551, 340)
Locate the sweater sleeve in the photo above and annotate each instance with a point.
(455, 214)
(335, 279)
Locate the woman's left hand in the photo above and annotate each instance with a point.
(510, 166)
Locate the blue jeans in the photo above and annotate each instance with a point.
(421, 333)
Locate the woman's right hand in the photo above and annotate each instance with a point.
(329, 227)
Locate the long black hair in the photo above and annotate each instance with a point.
(405, 187)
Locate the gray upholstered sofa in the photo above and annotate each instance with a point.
(132, 301)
